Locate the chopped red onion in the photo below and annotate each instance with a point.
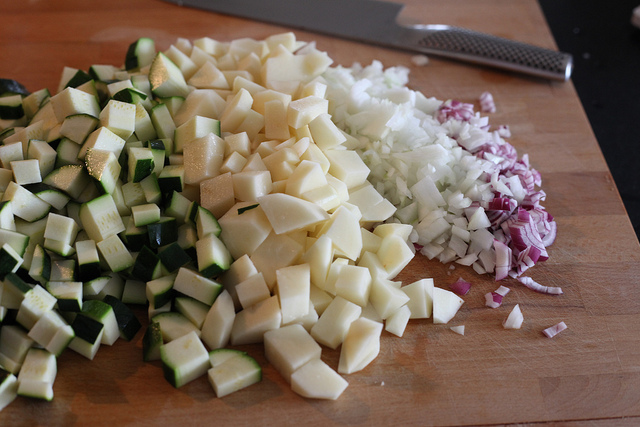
(503, 259)
(515, 319)
(535, 286)
(554, 330)
(487, 105)
(502, 290)
(460, 286)
(456, 110)
(493, 299)
(504, 131)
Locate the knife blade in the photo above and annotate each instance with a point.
(376, 22)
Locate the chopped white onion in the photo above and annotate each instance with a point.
(515, 318)
(458, 329)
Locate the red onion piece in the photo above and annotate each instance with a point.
(493, 299)
(456, 110)
(554, 330)
(487, 105)
(460, 286)
(535, 286)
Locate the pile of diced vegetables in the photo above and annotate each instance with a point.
(245, 192)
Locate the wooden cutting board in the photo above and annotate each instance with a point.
(431, 376)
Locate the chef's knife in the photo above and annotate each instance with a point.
(375, 22)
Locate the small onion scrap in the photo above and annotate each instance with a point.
(460, 286)
(554, 330)
(515, 318)
(535, 286)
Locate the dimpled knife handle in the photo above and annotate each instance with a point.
(472, 46)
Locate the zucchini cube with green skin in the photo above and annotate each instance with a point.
(163, 122)
(144, 129)
(235, 373)
(72, 179)
(103, 313)
(40, 268)
(100, 218)
(140, 163)
(128, 323)
(44, 153)
(104, 139)
(14, 290)
(163, 232)
(147, 265)
(151, 189)
(174, 325)
(18, 241)
(119, 117)
(145, 214)
(10, 260)
(14, 345)
(151, 342)
(7, 220)
(68, 293)
(37, 374)
(184, 359)
(52, 332)
(171, 179)
(140, 53)
(88, 335)
(78, 126)
(207, 223)
(8, 388)
(103, 166)
(173, 257)
(160, 291)
(36, 302)
(212, 255)
(25, 204)
(192, 309)
(195, 285)
(115, 253)
(74, 101)
(88, 260)
(60, 228)
(166, 78)
(26, 171)
(11, 107)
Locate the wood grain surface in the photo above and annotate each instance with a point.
(587, 375)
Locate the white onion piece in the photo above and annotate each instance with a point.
(502, 290)
(535, 286)
(458, 329)
(554, 330)
(515, 318)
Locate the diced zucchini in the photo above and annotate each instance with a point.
(72, 179)
(163, 232)
(73, 101)
(134, 292)
(103, 313)
(8, 388)
(10, 260)
(192, 309)
(78, 126)
(66, 153)
(79, 78)
(173, 257)
(163, 122)
(140, 53)
(56, 198)
(166, 78)
(145, 214)
(68, 294)
(233, 374)
(147, 265)
(37, 374)
(103, 166)
(88, 335)
(151, 342)
(160, 291)
(171, 179)
(52, 332)
(184, 359)
(14, 291)
(115, 253)
(63, 269)
(100, 218)
(207, 223)
(36, 302)
(16, 240)
(104, 139)
(151, 189)
(174, 325)
(14, 344)
(128, 323)
(88, 260)
(25, 204)
(40, 268)
(212, 255)
(11, 107)
(195, 285)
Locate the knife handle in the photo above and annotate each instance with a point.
(472, 46)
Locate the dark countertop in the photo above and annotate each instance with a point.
(606, 50)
